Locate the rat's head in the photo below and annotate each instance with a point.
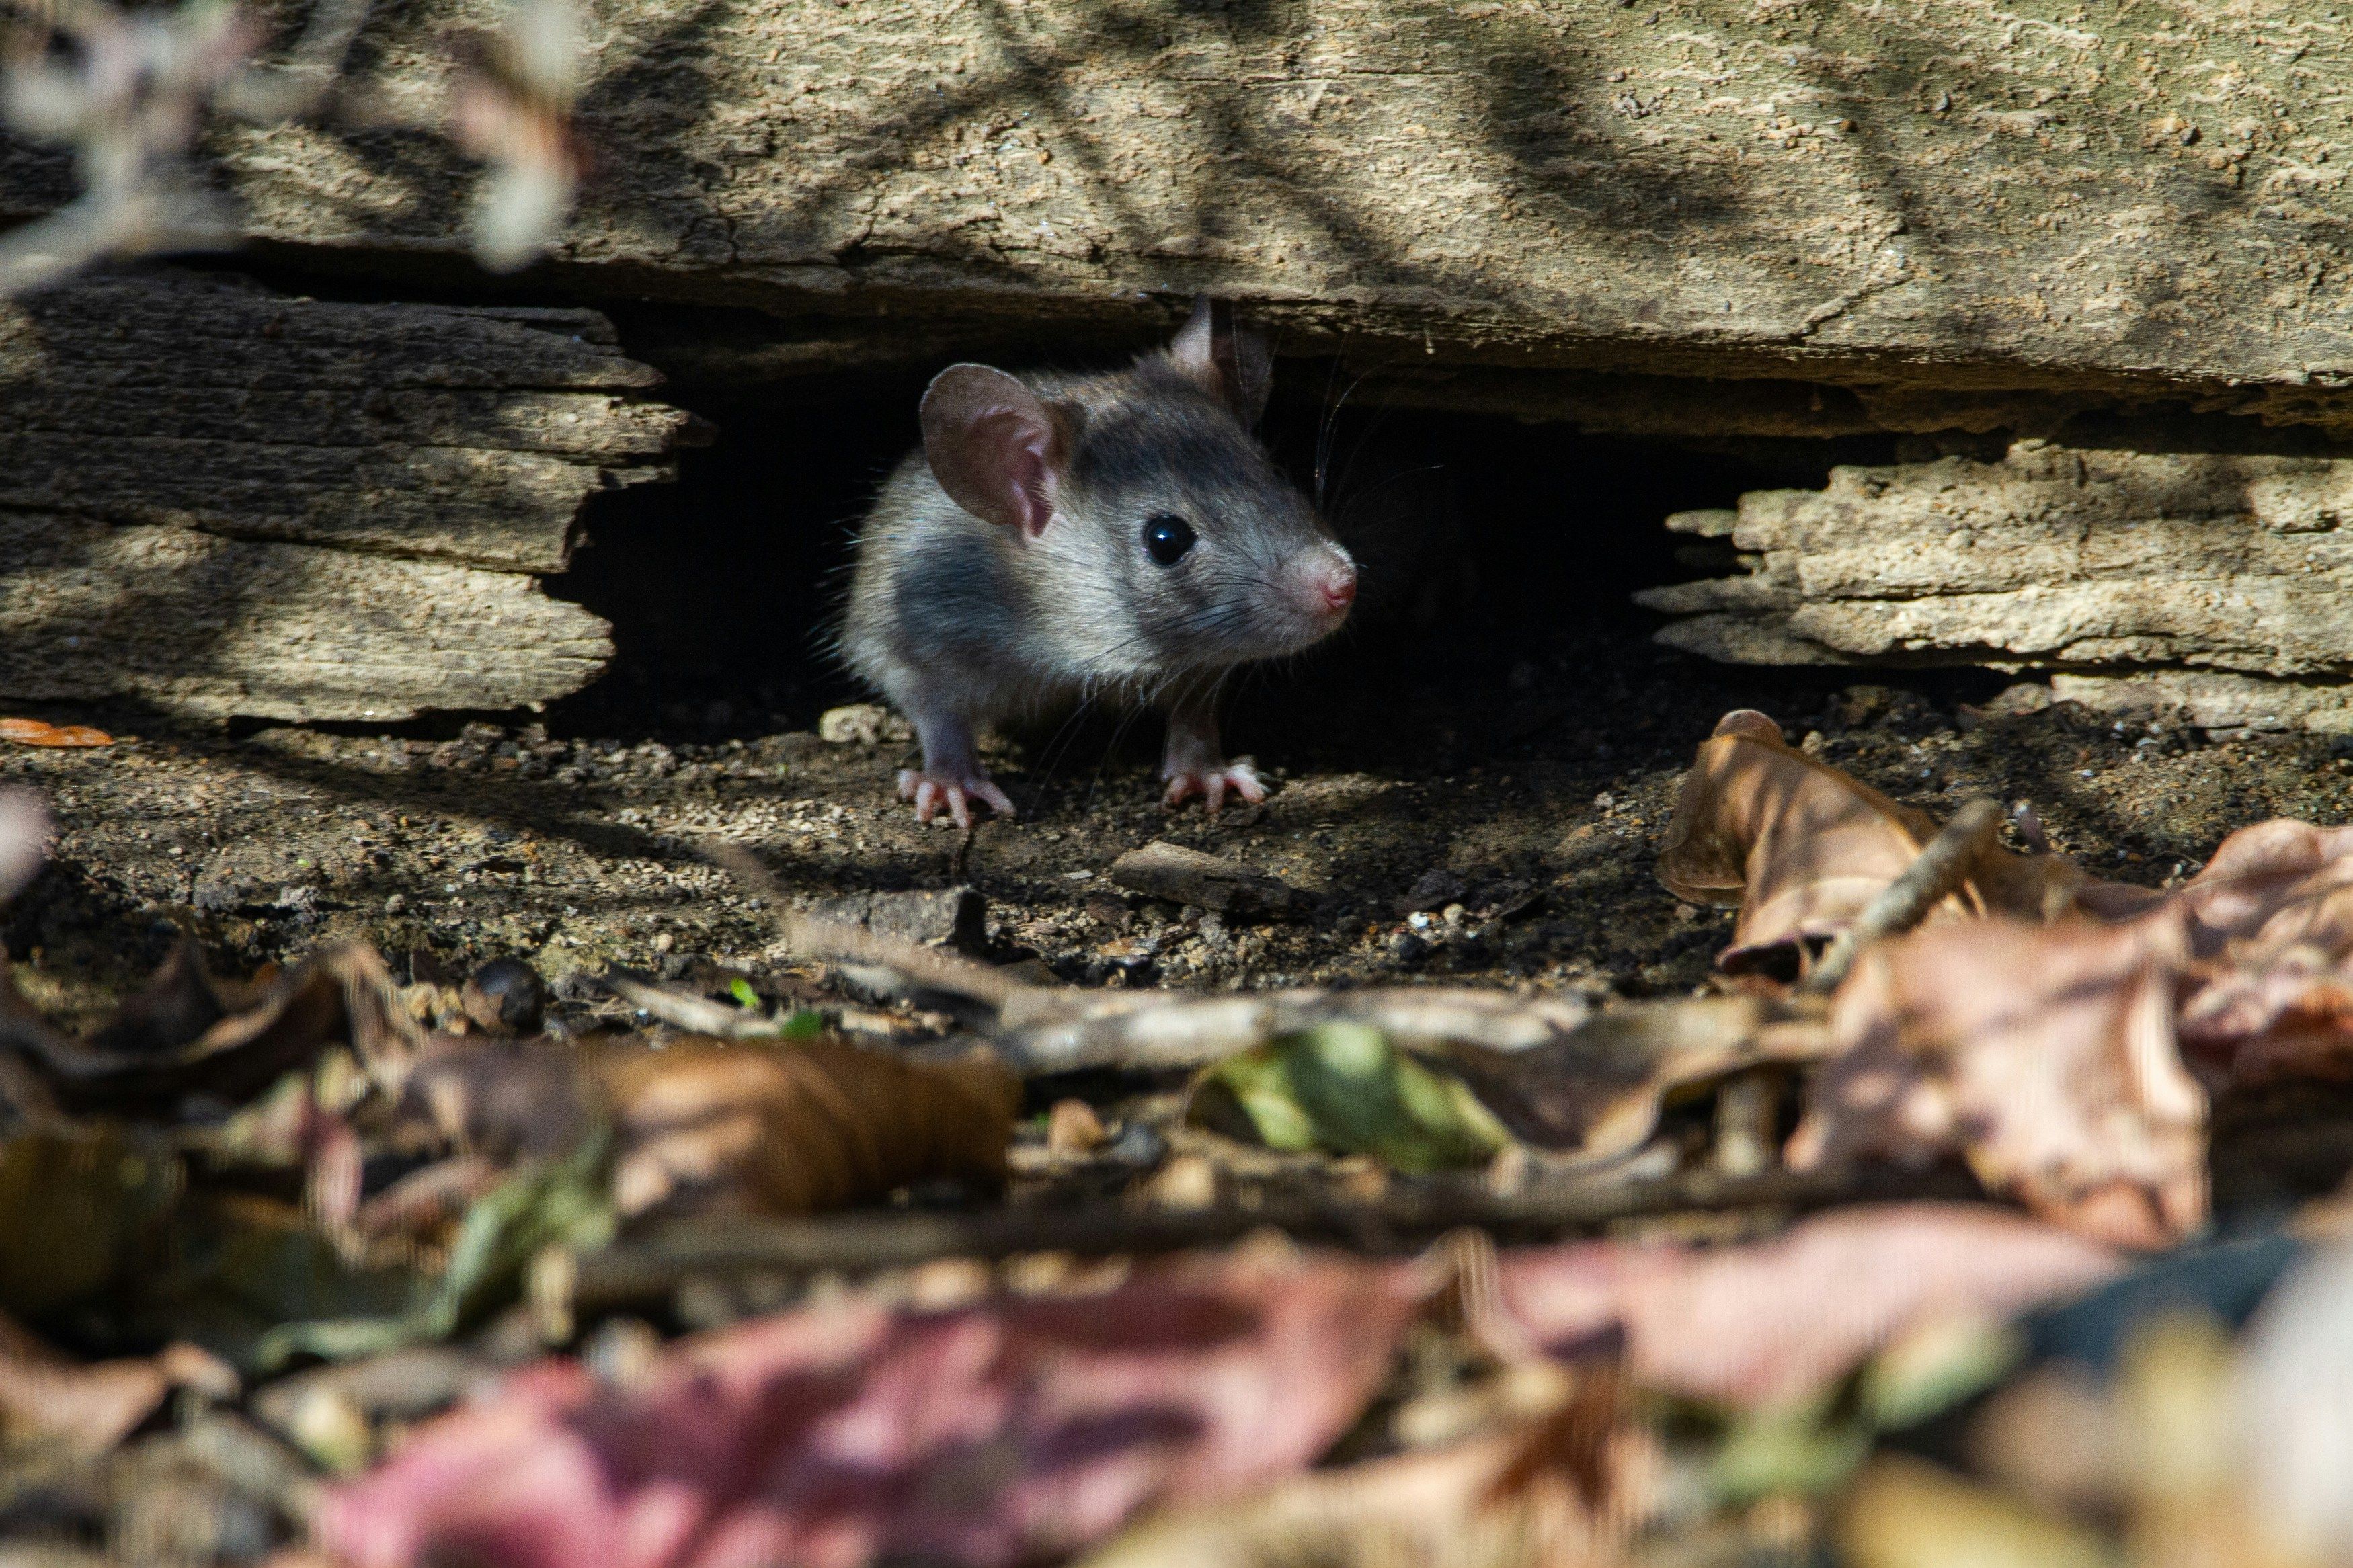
(1160, 534)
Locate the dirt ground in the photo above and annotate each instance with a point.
(1497, 830)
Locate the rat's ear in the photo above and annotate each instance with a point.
(1225, 357)
(994, 447)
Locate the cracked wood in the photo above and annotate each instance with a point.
(1913, 192)
(226, 500)
(2185, 573)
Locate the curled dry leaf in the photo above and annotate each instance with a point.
(36, 733)
(1346, 1087)
(992, 1434)
(1802, 847)
(91, 1408)
(2043, 1055)
(2269, 928)
(186, 1035)
(798, 1129)
(1764, 1325)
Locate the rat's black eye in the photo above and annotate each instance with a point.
(1167, 538)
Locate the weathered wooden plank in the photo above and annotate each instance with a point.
(226, 500)
(202, 400)
(2051, 555)
(203, 624)
(1912, 192)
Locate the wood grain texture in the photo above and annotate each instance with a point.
(2125, 557)
(200, 625)
(226, 500)
(1935, 193)
(205, 401)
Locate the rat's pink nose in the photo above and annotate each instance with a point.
(1333, 582)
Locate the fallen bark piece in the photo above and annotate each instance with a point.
(1182, 876)
(1511, 227)
(945, 917)
(1747, 1326)
(1010, 1431)
(2043, 1055)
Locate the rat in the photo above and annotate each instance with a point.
(1119, 535)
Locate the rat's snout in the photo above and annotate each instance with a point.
(1327, 580)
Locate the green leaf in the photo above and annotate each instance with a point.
(1936, 1366)
(1348, 1089)
(805, 1024)
(1801, 1449)
(741, 989)
(562, 1203)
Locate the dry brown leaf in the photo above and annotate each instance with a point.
(91, 1408)
(2269, 889)
(2044, 1055)
(1593, 1095)
(1802, 848)
(1765, 1325)
(35, 733)
(1565, 1492)
(186, 1035)
(2269, 926)
(797, 1128)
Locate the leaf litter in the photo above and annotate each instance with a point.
(336, 1226)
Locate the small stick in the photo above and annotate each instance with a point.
(1903, 903)
(853, 944)
(651, 1267)
(683, 1010)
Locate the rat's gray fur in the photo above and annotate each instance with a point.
(961, 622)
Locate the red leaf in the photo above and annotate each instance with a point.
(1763, 1324)
(831, 1436)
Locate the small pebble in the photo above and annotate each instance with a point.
(505, 996)
(1073, 1128)
(1186, 1182)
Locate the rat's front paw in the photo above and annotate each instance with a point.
(927, 790)
(1211, 782)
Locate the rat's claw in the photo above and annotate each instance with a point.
(1211, 783)
(929, 791)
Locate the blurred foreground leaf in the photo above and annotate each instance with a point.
(1346, 1087)
(78, 1212)
(564, 1203)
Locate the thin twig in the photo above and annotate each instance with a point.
(835, 940)
(651, 1267)
(1903, 903)
(683, 1010)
